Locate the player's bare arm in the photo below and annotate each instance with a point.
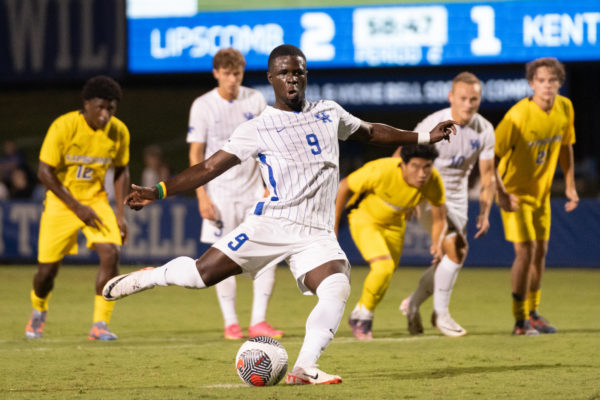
(344, 194)
(382, 134)
(506, 201)
(190, 178)
(438, 230)
(121, 183)
(567, 164)
(205, 205)
(486, 196)
(47, 175)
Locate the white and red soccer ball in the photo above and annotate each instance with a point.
(261, 361)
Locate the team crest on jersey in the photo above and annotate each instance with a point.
(474, 144)
(248, 115)
(323, 116)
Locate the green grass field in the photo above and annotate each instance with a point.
(170, 343)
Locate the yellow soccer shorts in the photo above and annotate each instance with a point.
(375, 240)
(528, 223)
(59, 226)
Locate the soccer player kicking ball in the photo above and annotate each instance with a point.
(533, 136)
(379, 195)
(78, 149)
(475, 144)
(296, 142)
(224, 202)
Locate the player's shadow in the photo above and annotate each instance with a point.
(460, 371)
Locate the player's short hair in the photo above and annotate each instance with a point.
(466, 77)
(285, 50)
(228, 59)
(426, 151)
(102, 87)
(550, 62)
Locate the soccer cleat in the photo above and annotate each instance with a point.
(35, 326)
(124, 285)
(361, 328)
(524, 328)
(233, 332)
(100, 331)
(448, 326)
(415, 326)
(264, 329)
(310, 376)
(540, 323)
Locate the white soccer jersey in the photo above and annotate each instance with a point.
(299, 158)
(473, 142)
(212, 121)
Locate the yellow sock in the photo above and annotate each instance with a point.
(376, 283)
(38, 303)
(533, 300)
(520, 310)
(102, 309)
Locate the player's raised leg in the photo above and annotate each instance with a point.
(211, 268)
(331, 285)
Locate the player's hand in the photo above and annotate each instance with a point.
(140, 196)
(123, 229)
(573, 200)
(207, 209)
(437, 254)
(88, 216)
(443, 130)
(483, 226)
(508, 201)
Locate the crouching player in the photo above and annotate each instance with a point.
(379, 195)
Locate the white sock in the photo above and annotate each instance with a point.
(445, 276)
(226, 294)
(263, 287)
(180, 271)
(324, 319)
(425, 288)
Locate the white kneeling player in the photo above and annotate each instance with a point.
(225, 201)
(473, 143)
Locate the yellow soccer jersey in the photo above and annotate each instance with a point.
(382, 195)
(81, 155)
(528, 142)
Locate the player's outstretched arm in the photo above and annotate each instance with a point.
(386, 135)
(190, 178)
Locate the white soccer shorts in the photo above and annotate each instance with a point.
(262, 241)
(457, 220)
(230, 215)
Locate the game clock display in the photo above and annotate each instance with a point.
(176, 37)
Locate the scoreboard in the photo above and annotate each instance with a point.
(176, 37)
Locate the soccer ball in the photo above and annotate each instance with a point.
(261, 361)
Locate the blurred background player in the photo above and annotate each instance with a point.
(379, 195)
(225, 201)
(533, 136)
(77, 150)
(474, 144)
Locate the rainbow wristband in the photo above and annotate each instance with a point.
(162, 190)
